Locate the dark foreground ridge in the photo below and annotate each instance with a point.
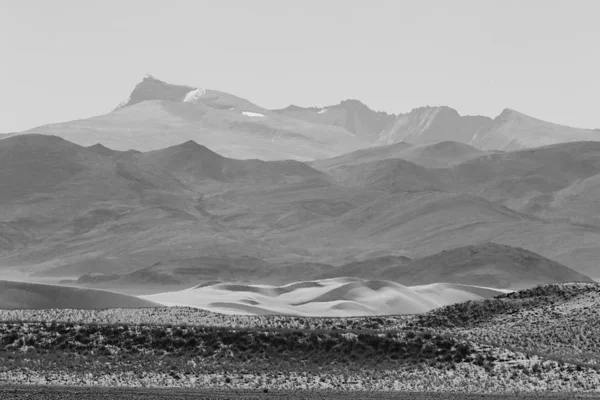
(79, 393)
(540, 340)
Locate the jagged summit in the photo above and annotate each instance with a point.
(158, 114)
(151, 88)
(433, 124)
(509, 114)
(350, 114)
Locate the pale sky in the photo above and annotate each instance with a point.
(68, 59)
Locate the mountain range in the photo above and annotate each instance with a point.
(68, 210)
(181, 185)
(159, 114)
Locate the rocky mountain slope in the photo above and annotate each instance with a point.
(352, 115)
(430, 125)
(511, 130)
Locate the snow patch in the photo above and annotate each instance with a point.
(323, 111)
(252, 114)
(194, 95)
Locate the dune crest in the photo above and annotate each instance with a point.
(327, 297)
(25, 295)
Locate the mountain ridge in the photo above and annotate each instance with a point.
(158, 114)
(94, 210)
(351, 114)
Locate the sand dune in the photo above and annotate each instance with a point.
(328, 297)
(24, 295)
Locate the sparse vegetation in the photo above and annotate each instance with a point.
(539, 340)
(559, 321)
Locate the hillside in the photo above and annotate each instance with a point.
(425, 223)
(352, 115)
(81, 201)
(531, 343)
(522, 320)
(485, 264)
(158, 115)
(391, 175)
(55, 191)
(21, 295)
(512, 130)
(526, 180)
(98, 210)
(578, 202)
(184, 273)
(438, 155)
(194, 163)
(35, 164)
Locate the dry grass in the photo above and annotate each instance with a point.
(496, 345)
(559, 321)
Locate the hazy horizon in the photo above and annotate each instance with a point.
(70, 60)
